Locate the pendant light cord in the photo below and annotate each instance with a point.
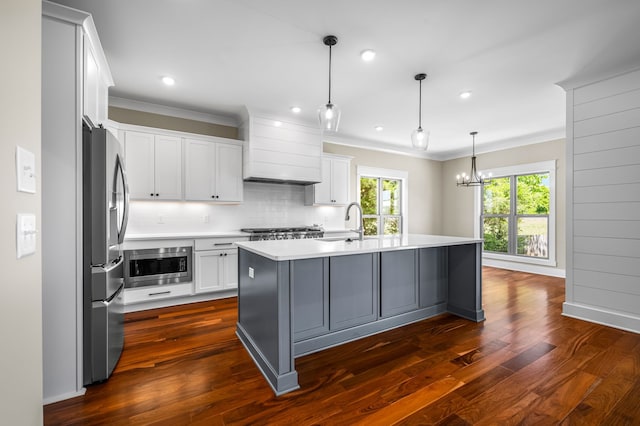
(420, 106)
(329, 73)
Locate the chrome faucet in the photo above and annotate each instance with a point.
(360, 230)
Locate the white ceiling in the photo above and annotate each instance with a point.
(269, 55)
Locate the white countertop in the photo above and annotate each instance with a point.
(185, 235)
(309, 248)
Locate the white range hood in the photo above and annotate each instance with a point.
(279, 150)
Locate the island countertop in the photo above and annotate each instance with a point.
(280, 250)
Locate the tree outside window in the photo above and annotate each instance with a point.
(515, 215)
(381, 205)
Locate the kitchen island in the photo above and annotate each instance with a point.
(296, 297)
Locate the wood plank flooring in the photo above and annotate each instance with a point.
(526, 364)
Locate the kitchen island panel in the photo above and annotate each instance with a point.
(464, 296)
(353, 290)
(310, 281)
(264, 318)
(398, 282)
(433, 276)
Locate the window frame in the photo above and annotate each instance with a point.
(381, 174)
(512, 172)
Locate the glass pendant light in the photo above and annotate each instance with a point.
(329, 114)
(420, 137)
(474, 178)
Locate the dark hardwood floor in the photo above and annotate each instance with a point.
(526, 364)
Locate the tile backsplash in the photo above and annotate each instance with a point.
(265, 204)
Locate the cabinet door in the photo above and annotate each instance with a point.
(323, 189)
(139, 163)
(91, 82)
(168, 168)
(230, 277)
(208, 269)
(199, 165)
(353, 290)
(310, 281)
(398, 282)
(433, 276)
(340, 181)
(228, 172)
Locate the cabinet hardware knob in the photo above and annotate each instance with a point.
(213, 196)
(157, 195)
(151, 194)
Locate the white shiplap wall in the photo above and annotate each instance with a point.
(603, 202)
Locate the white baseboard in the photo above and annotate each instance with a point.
(62, 397)
(602, 317)
(164, 303)
(524, 267)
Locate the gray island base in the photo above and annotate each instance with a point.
(296, 297)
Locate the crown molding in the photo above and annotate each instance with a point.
(173, 111)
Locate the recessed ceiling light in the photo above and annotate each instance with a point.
(169, 81)
(277, 123)
(295, 109)
(379, 128)
(367, 55)
(465, 95)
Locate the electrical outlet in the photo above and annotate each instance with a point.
(160, 219)
(205, 218)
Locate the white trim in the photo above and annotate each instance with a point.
(173, 111)
(373, 145)
(165, 132)
(63, 396)
(601, 316)
(500, 145)
(401, 175)
(524, 267)
(539, 167)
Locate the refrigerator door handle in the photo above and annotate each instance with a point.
(125, 213)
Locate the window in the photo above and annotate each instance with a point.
(382, 197)
(518, 213)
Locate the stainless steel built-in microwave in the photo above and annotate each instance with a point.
(157, 266)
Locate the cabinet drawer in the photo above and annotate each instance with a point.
(146, 294)
(217, 243)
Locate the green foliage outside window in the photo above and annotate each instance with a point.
(380, 210)
(532, 198)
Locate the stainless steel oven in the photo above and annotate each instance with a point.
(157, 266)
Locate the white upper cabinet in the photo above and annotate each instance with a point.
(96, 79)
(334, 188)
(154, 166)
(213, 171)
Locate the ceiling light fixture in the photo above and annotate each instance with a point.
(379, 128)
(474, 178)
(169, 81)
(368, 55)
(277, 123)
(465, 95)
(420, 137)
(329, 114)
(295, 109)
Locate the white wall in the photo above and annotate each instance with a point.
(21, 302)
(425, 186)
(457, 202)
(603, 219)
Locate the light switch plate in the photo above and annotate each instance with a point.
(25, 234)
(251, 272)
(25, 170)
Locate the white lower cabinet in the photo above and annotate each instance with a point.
(149, 294)
(216, 270)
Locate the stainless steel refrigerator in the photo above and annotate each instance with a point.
(105, 215)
